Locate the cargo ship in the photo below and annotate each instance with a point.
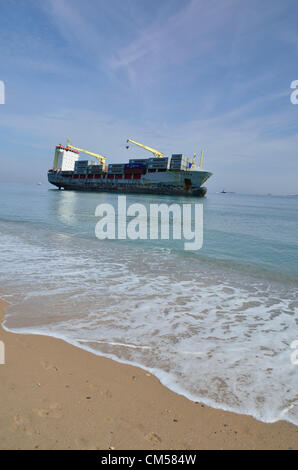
(175, 175)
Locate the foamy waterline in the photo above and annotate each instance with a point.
(166, 379)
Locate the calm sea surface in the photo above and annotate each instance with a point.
(215, 325)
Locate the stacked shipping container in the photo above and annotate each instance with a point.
(82, 166)
(133, 170)
(180, 162)
(158, 163)
(116, 168)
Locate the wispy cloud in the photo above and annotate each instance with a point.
(197, 28)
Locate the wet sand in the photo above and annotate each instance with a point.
(56, 396)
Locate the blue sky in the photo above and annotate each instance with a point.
(179, 76)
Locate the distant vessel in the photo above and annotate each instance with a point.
(226, 192)
(158, 175)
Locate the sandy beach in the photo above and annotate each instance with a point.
(56, 396)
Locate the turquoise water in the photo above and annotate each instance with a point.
(215, 325)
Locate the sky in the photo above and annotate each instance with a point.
(180, 76)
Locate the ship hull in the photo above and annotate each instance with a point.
(186, 183)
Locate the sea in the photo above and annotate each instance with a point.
(218, 325)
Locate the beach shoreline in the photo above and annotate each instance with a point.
(57, 396)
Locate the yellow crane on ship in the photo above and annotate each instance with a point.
(193, 163)
(156, 153)
(201, 159)
(101, 158)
